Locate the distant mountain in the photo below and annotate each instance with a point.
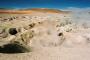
(46, 10)
(26, 11)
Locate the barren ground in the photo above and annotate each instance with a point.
(55, 37)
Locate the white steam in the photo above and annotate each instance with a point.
(81, 15)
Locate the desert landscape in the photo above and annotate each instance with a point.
(44, 34)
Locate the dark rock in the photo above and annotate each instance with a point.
(12, 48)
(32, 25)
(10, 19)
(12, 31)
(4, 20)
(60, 34)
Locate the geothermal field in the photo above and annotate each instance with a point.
(44, 34)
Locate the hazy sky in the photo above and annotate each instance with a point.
(44, 3)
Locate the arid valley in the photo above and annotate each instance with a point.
(43, 34)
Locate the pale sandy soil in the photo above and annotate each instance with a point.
(74, 44)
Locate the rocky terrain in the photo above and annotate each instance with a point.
(43, 36)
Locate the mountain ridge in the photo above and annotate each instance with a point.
(31, 10)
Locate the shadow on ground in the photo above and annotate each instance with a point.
(13, 48)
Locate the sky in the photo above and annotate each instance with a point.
(44, 3)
